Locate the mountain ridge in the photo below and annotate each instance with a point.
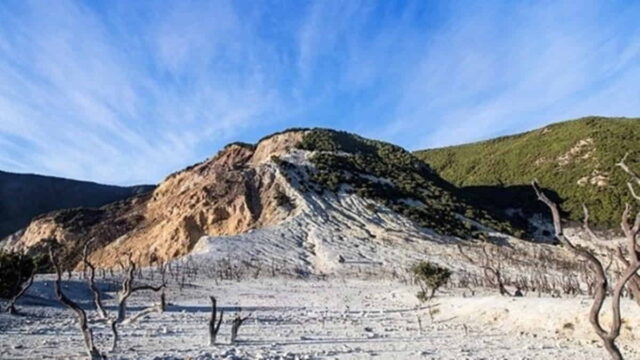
(246, 188)
(575, 158)
(25, 196)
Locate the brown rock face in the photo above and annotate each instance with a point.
(231, 193)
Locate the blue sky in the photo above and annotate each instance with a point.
(126, 92)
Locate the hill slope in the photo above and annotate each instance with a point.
(576, 159)
(24, 196)
(302, 196)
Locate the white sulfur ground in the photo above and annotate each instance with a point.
(315, 319)
(338, 237)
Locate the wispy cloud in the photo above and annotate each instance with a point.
(502, 69)
(127, 92)
(84, 101)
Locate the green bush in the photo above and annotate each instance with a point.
(282, 200)
(15, 269)
(430, 277)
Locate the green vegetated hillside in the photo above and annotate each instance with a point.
(576, 159)
(395, 178)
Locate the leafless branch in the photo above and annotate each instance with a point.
(235, 326)
(92, 351)
(491, 270)
(97, 297)
(586, 225)
(634, 176)
(600, 282)
(126, 291)
(11, 306)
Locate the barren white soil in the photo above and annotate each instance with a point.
(314, 319)
(300, 292)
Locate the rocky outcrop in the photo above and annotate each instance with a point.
(301, 199)
(237, 190)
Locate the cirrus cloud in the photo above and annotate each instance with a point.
(127, 92)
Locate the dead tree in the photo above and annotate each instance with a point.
(159, 307)
(11, 306)
(235, 326)
(635, 177)
(492, 271)
(601, 282)
(634, 283)
(214, 327)
(116, 336)
(127, 290)
(83, 323)
(97, 297)
(163, 300)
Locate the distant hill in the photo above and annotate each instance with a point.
(575, 158)
(24, 196)
(303, 198)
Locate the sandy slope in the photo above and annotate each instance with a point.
(313, 319)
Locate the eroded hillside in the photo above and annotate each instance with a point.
(313, 177)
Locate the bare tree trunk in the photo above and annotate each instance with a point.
(97, 297)
(11, 307)
(237, 322)
(601, 282)
(124, 294)
(634, 282)
(128, 289)
(92, 351)
(634, 288)
(612, 348)
(163, 300)
(214, 327)
(116, 337)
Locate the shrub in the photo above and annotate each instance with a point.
(430, 277)
(283, 200)
(347, 159)
(15, 269)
